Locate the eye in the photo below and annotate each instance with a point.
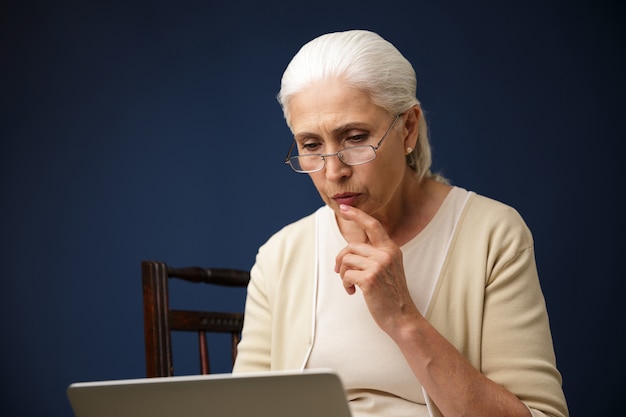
(310, 147)
(357, 139)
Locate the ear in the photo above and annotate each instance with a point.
(411, 124)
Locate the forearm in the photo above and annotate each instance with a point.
(454, 385)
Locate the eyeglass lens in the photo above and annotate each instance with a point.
(351, 156)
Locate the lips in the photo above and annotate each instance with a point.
(346, 198)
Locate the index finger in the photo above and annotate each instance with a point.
(372, 227)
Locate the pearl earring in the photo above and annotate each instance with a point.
(409, 150)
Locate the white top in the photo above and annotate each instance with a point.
(376, 376)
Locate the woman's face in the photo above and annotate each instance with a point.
(329, 116)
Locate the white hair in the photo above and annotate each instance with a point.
(366, 61)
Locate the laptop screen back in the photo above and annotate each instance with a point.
(312, 393)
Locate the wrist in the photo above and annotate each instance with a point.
(410, 328)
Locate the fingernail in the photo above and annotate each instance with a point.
(344, 207)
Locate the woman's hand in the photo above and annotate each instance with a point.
(375, 266)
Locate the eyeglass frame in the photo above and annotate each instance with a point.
(323, 156)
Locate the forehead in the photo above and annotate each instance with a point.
(327, 104)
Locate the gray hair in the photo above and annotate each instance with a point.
(366, 61)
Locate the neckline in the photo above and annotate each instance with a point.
(419, 237)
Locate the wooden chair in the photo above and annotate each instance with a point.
(160, 320)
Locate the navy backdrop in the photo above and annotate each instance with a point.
(142, 129)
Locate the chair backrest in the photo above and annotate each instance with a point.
(160, 320)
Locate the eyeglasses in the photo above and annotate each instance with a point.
(352, 155)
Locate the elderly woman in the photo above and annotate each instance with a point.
(422, 296)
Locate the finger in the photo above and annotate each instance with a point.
(352, 261)
(363, 250)
(350, 288)
(372, 227)
(345, 265)
(348, 281)
(353, 271)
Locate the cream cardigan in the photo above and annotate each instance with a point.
(488, 303)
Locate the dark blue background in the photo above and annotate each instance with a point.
(135, 130)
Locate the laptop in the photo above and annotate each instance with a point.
(308, 393)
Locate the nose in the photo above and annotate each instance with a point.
(335, 169)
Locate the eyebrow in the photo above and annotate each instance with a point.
(349, 126)
(336, 130)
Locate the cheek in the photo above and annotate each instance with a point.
(393, 164)
(385, 178)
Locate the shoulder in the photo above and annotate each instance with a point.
(492, 219)
(286, 259)
(494, 234)
(478, 203)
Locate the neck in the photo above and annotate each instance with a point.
(405, 216)
(418, 204)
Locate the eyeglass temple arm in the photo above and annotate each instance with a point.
(289, 153)
(388, 130)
